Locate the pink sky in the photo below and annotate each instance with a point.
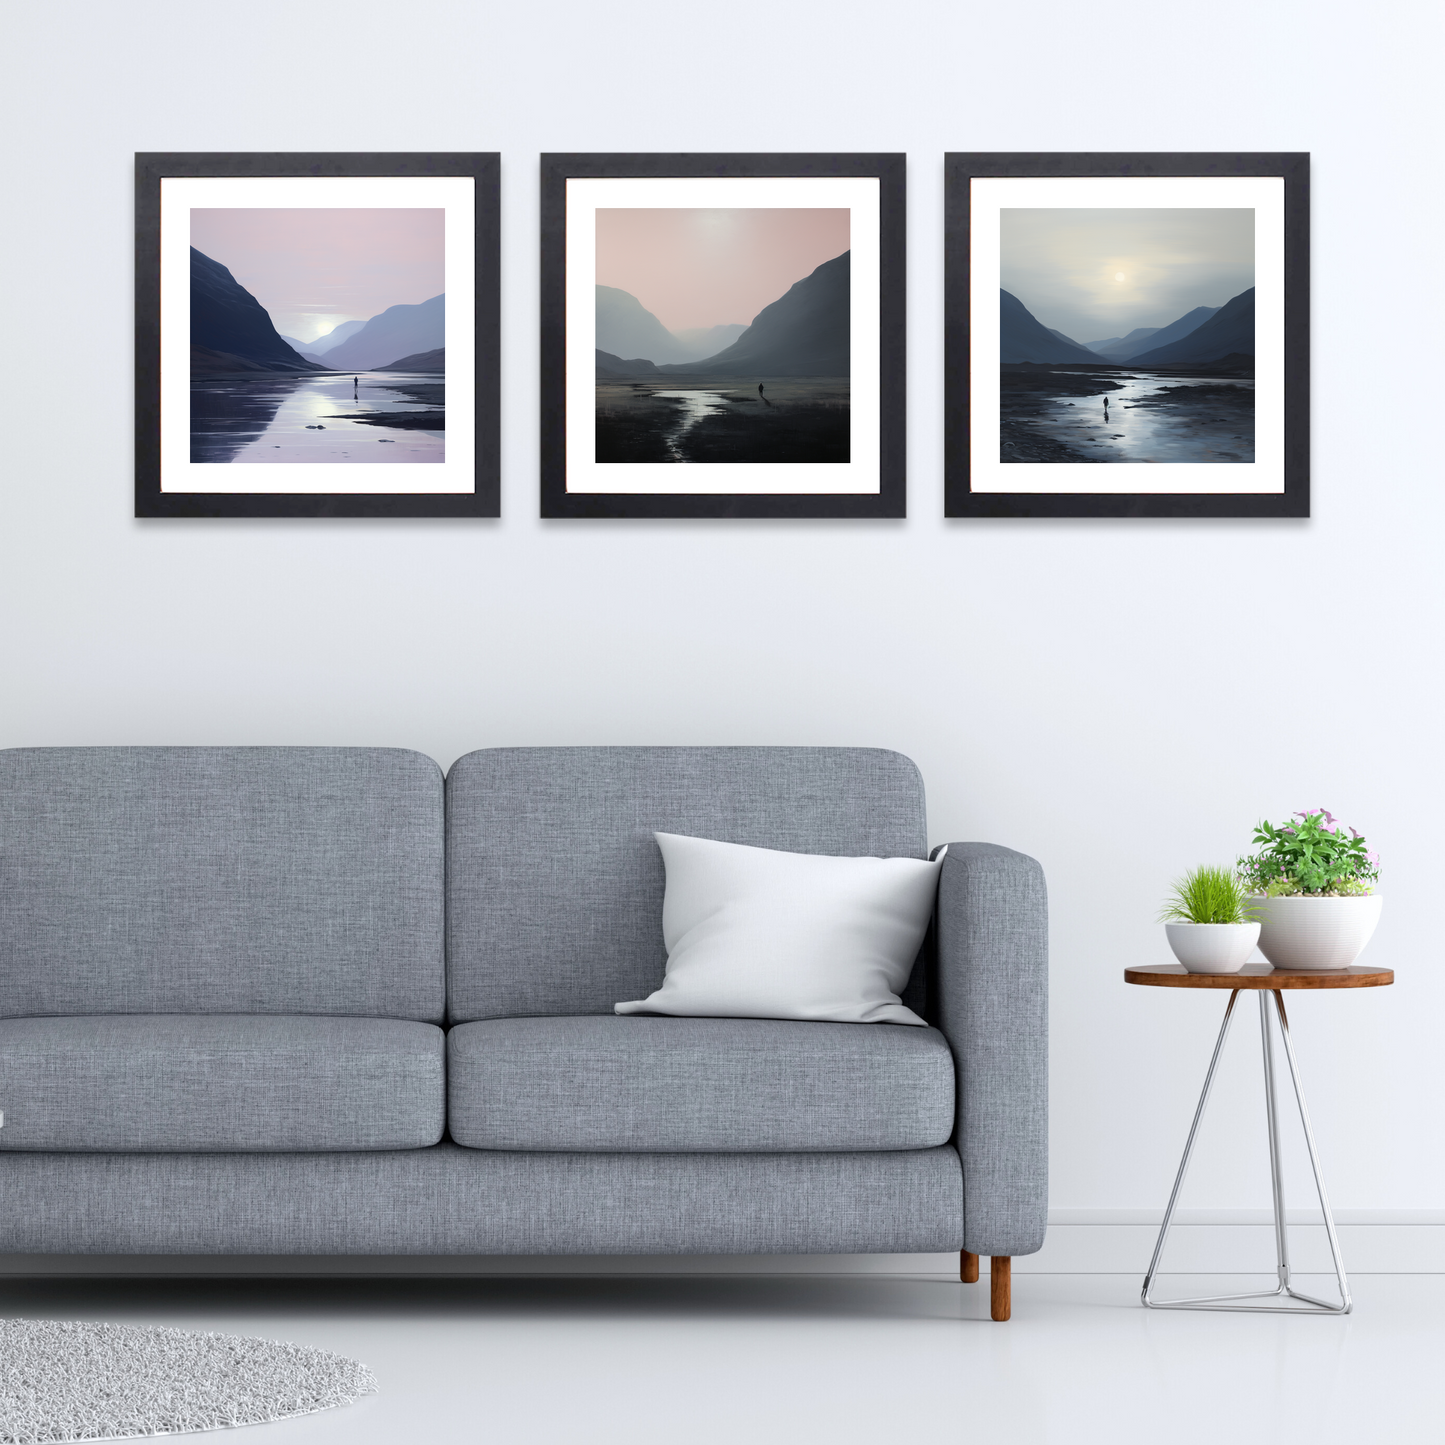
(314, 269)
(710, 268)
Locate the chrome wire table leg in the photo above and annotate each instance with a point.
(1188, 1150)
(1345, 1304)
(1276, 1171)
(1283, 1288)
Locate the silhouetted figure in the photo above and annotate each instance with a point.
(760, 388)
(1106, 408)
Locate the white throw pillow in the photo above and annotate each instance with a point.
(754, 933)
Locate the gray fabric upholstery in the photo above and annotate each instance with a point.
(555, 883)
(447, 1200)
(682, 1084)
(992, 1003)
(221, 880)
(249, 944)
(220, 1082)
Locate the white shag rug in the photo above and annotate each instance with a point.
(64, 1380)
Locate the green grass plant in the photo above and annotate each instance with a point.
(1208, 895)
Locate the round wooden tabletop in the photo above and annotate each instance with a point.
(1261, 975)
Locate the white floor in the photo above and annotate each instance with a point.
(752, 1361)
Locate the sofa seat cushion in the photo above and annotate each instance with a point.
(645, 1084)
(223, 1082)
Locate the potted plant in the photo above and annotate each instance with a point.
(1314, 891)
(1209, 921)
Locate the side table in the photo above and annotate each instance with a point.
(1269, 983)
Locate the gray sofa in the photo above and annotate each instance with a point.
(319, 1001)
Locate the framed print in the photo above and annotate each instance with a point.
(1127, 335)
(316, 335)
(723, 336)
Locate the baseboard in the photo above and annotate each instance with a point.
(1078, 1242)
(1238, 1241)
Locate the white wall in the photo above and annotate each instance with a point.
(1121, 699)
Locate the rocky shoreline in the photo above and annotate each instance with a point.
(1027, 389)
(1023, 391)
(402, 420)
(796, 419)
(1018, 443)
(432, 394)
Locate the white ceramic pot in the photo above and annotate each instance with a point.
(1212, 947)
(1317, 933)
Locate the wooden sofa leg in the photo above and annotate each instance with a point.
(968, 1267)
(1000, 1295)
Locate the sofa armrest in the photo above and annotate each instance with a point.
(992, 1004)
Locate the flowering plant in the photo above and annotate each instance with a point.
(1311, 857)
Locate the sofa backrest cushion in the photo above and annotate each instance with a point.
(555, 882)
(221, 880)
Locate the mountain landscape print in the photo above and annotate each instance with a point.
(1126, 335)
(317, 335)
(722, 335)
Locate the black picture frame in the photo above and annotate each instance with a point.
(484, 168)
(890, 500)
(961, 500)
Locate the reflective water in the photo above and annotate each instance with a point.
(695, 406)
(1218, 426)
(305, 419)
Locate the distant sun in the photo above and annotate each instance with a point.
(1118, 275)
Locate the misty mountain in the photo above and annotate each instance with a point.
(1126, 346)
(334, 337)
(205, 362)
(1150, 337)
(1178, 330)
(1022, 338)
(625, 327)
(1102, 345)
(805, 332)
(700, 341)
(1230, 329)
(398, 331)
(301, 349)
(422, 361)
(227, 322)
(610, 367)
(1062, 337)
